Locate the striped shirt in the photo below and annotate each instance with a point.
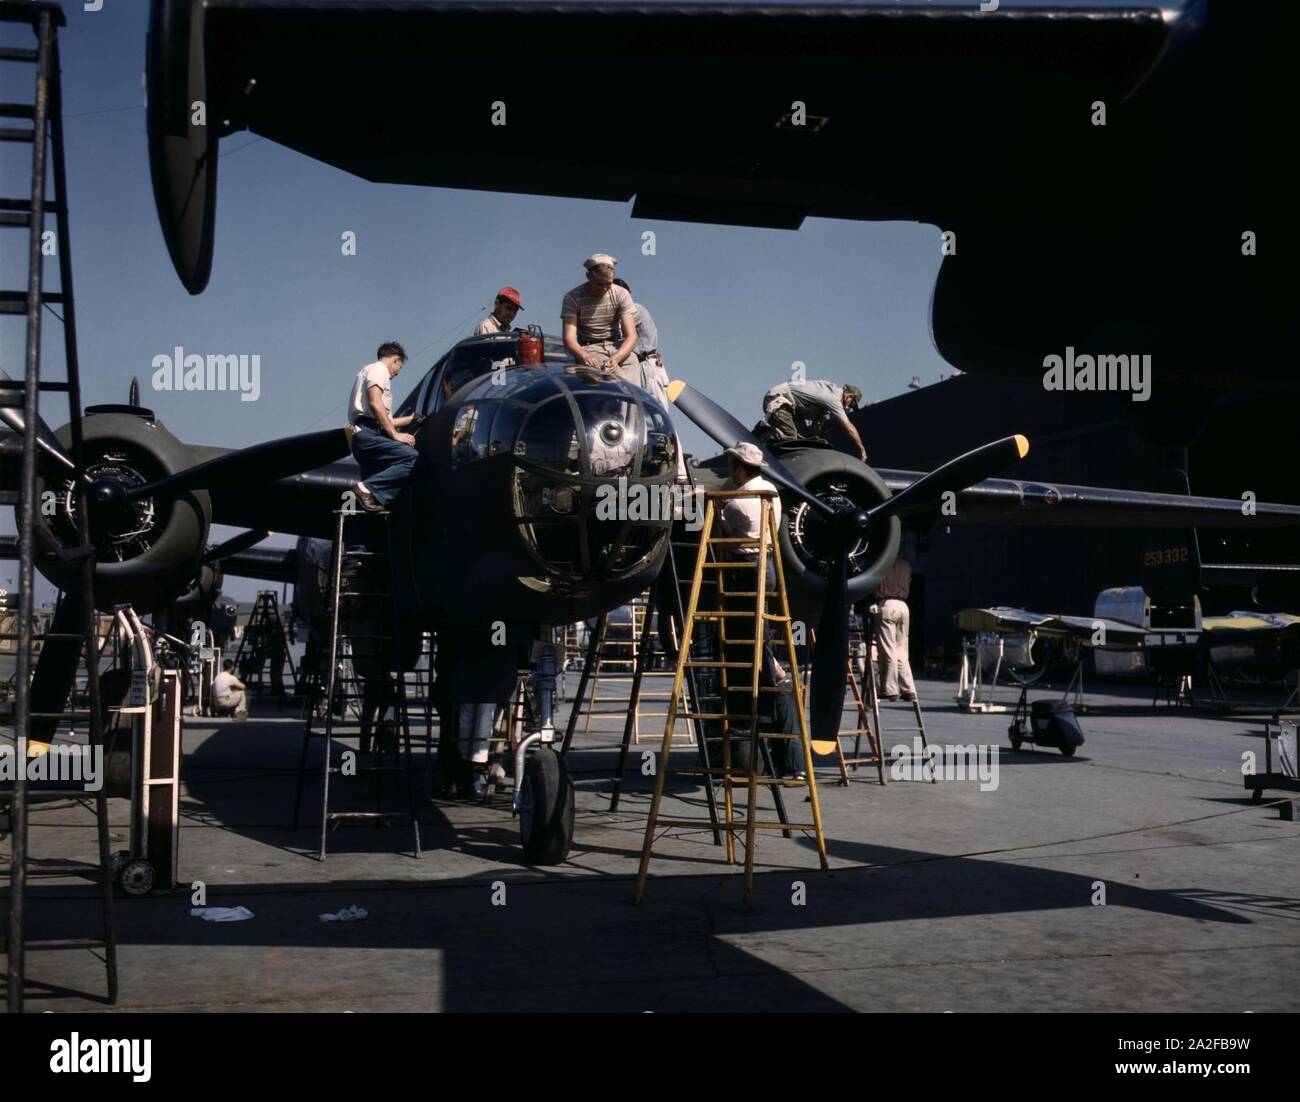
(596, 314)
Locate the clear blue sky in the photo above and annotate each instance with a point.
(735, 307)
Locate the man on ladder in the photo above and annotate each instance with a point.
(743, 517)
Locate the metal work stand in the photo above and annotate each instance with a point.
(19, 409)
(265, 641)
(916, 728)
(361, 601)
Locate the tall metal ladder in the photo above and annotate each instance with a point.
(753, 574)
(266, 641)
(77, 623)
(360, 582)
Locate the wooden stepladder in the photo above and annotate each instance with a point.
(868, 722)
(744, 605)
(917, 759)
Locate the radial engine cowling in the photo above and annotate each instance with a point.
(146, 551)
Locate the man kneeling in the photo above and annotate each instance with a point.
(228, 693)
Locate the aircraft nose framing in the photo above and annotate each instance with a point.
(594, 462)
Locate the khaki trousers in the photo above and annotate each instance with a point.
(891, 638)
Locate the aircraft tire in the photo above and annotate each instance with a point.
(545, 808)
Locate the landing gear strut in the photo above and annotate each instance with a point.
(543, 793)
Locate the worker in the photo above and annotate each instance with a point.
(593, 314)
(787, 404)
(229, 693)
(741, 517)
(654, 377)
(480, 678)
(382, 450)
(646, 347)
(378, 695)
(508, 304)
(892, 623)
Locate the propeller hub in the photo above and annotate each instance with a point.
(107, 492)
(850, 525)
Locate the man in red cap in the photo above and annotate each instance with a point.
(507, 305)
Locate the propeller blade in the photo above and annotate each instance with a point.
(830, 659)
(45, 439)
(56, 668)
(727, 431)
(234, 545)
(259, 464)
(133, 394)
(955, 475)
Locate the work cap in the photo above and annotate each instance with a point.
(512, 295)
(599, 258)
(748, 454)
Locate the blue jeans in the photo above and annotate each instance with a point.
(474, 724)
(385, 464)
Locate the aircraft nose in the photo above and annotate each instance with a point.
(585, 459)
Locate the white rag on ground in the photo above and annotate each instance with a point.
(221, 914)
(348, 914)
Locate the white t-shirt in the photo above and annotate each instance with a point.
(488, 326)
(223, 687)
(742, 516)
(375, 374)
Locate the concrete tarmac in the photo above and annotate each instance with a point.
(1134, 876)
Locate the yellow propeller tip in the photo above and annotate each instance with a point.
(1022, 445)
(675, 388)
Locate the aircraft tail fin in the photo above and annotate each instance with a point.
(1171, 565)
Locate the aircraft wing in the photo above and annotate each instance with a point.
(1250, 625)
(473, 94)
(1001, 620)
(302, 505)
(1009, 501)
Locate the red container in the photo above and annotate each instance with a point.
(530, 346)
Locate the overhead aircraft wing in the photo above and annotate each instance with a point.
(876, 110)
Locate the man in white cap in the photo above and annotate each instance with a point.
(743, 517)
(593, 314)
(508, 304)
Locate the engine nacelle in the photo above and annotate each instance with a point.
(836, 477)
(147, 551)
